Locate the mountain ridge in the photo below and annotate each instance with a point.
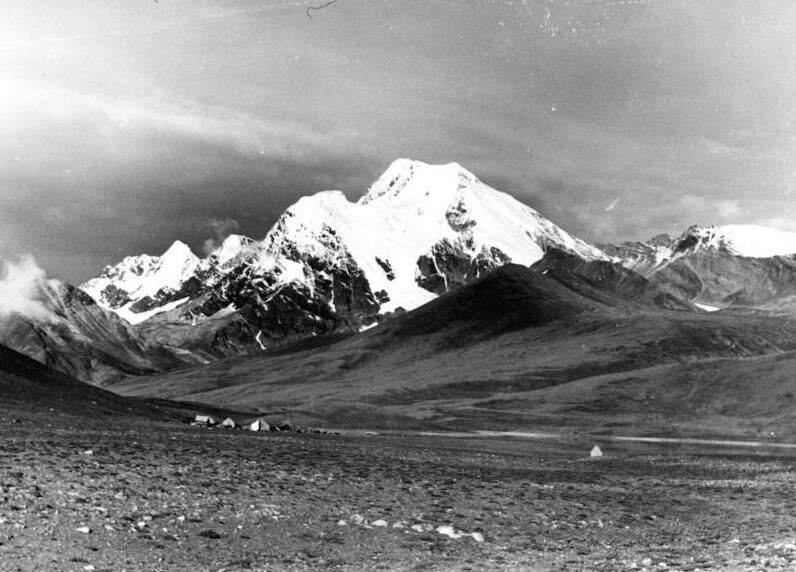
(329, 249)
(490, 354)
(329, 263)
(744, 266)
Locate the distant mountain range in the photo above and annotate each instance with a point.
(330, 266)
(565, 345)
(719, 267)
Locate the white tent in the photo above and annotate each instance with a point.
(229, 423)
(204, 420)
(596, 451)
(259, 425)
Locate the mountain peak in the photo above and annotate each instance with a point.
(747, 240)
(410, 180)
(138, 277)
(178, 250)
(420, 230)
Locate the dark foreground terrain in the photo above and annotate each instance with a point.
(81, 494)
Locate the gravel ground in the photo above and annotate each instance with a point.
(82, 495)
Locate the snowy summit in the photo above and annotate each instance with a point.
(419, 231)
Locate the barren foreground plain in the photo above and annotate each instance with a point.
(92, 480)
(116, 494)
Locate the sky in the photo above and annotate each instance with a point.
(128, 124)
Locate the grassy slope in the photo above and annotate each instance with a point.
(516, 350)
(28, 386)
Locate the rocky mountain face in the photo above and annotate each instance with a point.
(83, 340)
(599, 279)
(329, 264)
(718, 267)
(332, 265)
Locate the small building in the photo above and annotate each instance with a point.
(204, 420)
(229, 423)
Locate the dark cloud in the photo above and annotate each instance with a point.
(139, 125)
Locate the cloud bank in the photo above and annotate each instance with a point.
(133, 128)
(21, 283)
(222, 228)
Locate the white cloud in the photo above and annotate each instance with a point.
(728, 210)
(21, 283)
(713, 211)
(221, 228)
(127, 127)
(779, 223)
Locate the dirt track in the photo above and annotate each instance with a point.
(135, 497)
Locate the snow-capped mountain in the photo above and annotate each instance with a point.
(328, 263)
(720, 266)
(419, 231)
(128, 287)
(749, 241)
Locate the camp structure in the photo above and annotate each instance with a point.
(259, 424)
(204, 421)
(285, 426)
(229, 423)
(596, 451)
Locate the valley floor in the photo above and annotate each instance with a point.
(76, 494)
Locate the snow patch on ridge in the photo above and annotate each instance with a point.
(137, 317)
(749, 240)
(707, 307)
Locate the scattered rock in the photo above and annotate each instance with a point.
(449, 531)
(83, 529)
(380, 523)
(209, 533)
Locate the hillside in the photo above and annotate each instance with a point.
(741, 266)
(27, 385)
(486, 355)
(74, 335)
